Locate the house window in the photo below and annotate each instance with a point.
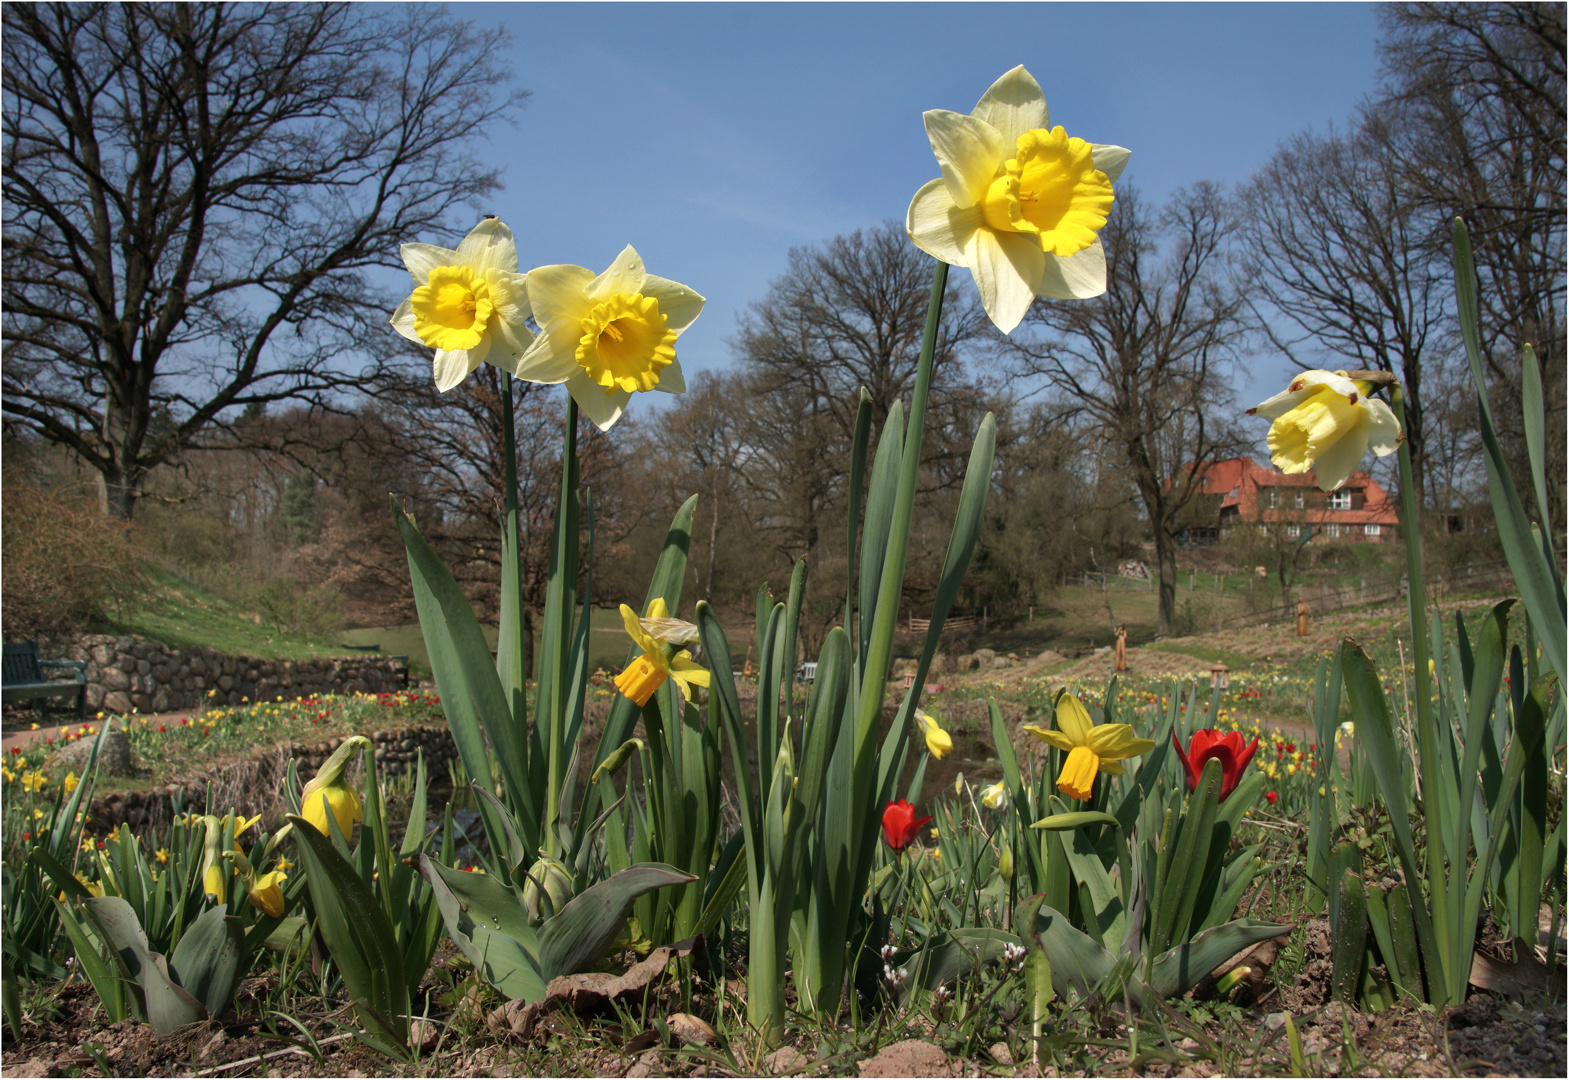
(1299, 500)
(1263, 530)
(1274, 497)
(1340, 500)
(1293, 531)
(1372, 530)
(1331, 530)
(1234, 493)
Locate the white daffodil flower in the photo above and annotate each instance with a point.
(470, 305)
(1019, 203)
(1324, 421)
(607, 336)
(995, 796)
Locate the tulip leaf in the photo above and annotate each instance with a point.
(357, 933)
(110, 984)
(581, 931)
(951, 954)
(1178, 970)
(169, 1008)
(490, 928)
(207, 959)
(1077, 962)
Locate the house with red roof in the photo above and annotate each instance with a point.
(1264, 497)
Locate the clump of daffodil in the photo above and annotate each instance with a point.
(1091, 749)
(646, 673)
(326, 792)
(470, 305)
(1018, 202)
(265, 890)
(609, 336)
(938, 741)
(215, 874)
(1326, 422)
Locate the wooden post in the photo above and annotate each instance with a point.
(1302, 617)
(1121, 654)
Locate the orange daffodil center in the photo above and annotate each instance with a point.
(469, 304)
(607, 336)
(1091, 748)
(1019, 202)
(1326, 422)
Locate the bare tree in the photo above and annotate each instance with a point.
(198, 198)
(1481, 121)
(1144, 364)
(1342, 265)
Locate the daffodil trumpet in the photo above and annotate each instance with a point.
(1325, 421)
(265, 890)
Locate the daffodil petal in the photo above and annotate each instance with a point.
(1110, 160)
(1336, 462)
(1006, 287)
(1081, 276)
(1282, 403)
(658, 609)
(671, 378)
(421, 259)
(547, 361)
(969, 150)
(624, 275)
(1115, 768)
(452, 366)
(677, 303)
(403, 320)
(489, 245)
(1383, 430)
(602, 408)
(1116, 741)
(689, 670)
(633, 627)
(509, 294)
(938, 226)
(556, 292)
(1013, 105)
(1073, 720)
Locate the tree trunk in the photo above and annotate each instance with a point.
(118, 489)
(1166, 560)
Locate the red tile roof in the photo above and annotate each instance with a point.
(1239, 482)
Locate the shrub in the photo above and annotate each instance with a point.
(65, 562)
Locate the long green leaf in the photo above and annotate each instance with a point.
(169, 1008)
(206, 960)
(580, 932)
(1178, 970)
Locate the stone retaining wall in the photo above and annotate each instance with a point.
(126, 673)
(254, 785)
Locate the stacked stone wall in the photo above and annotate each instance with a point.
(254, 785)
(130, 673)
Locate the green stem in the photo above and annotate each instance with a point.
(510, 448)
(558, 629)
(1427, 731)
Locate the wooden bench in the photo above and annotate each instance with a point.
(24, 680)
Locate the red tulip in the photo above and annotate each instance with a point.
(1228, 749)
(1272, 797)
(900, 825)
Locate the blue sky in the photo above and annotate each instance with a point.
(715, 137)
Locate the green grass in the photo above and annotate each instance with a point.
(607, 642)
(185, 615)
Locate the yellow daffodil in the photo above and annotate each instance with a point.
(1091, 749)
(162, 855)
(1325, 422)
(7, 773)
(607, 336)
(326, 791)
(264, 890)
(70, 782)
(938, 741)
(995, 796)
(645, 673)
(1018, 202)
(34, 781)
(470, 305)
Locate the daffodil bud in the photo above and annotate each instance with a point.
(548, 887)
(265, 890)
(1005, 864)
(327, 791)
(214, 876)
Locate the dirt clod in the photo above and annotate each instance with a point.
(912, 1057)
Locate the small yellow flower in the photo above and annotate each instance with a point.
(995, 796)
(70, 782)
(162, 855)
(34, 781)
(647, 673)
(7, 773)
(938, 741)
(326, 792)
(1100, 748)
